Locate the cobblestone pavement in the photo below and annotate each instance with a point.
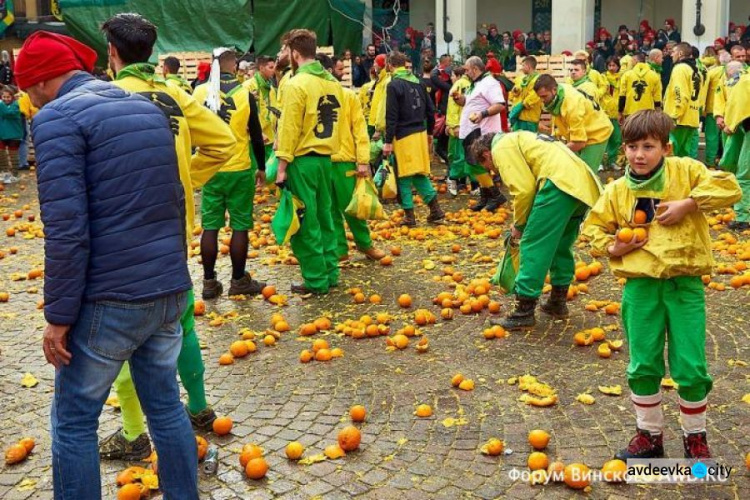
(274, 399)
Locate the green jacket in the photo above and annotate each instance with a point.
(11, 122)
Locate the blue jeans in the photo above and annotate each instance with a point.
(107, 333)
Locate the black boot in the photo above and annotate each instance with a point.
(496, 199)
(436, 213)
(408, 220)
(557, 304)
(643, 445)
(484, 198)
(521, 317)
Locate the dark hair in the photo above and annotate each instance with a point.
(335, 60)
(696, 53)
(579, 62)
(427, 65)
(370, 45)
(459, 71)
(639, 56)
(172, 64)
(531, 61)
(132, 35)
(545, 82)
(482, 145)
(303, 41)
(7, 89)
(616, 60)
(684, 49)
(647, 123)
(325, 61)
(397, 59)
(263, 60)
(444, 56)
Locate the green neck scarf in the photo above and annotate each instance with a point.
(404, 74)
(655, 67)
(654, 183)
(264, 87)
(316, 69)
(178, 79)
(474, 82)
(142, 71)
(528, 79)
(577, 83)
(556, 104)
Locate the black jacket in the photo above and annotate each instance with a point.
(438, 83)
(408, 109)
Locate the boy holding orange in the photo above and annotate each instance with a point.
(666, 195)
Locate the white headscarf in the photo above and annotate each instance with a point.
(213, 100)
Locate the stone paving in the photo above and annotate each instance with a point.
(274, 399)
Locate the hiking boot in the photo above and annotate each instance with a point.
(301, 289)
(484, 198)
(212, 288)
(496, 199)
(373, 253)
(521, 317)
(408, 219)
(452, 187)
(436, 213)
(696, 445)
(203, 420)
(246, 286)
(737, 225)
(643, 445)
(557, 304)
(116, 447)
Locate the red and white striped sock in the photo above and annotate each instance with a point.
(648, 412)
(693, 415)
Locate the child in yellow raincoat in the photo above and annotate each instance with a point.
(651, 224)
(682, 101)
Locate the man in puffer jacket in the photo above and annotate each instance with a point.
(116, 276)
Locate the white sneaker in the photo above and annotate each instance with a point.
(9, 179)
(476, 192)
(452, 187)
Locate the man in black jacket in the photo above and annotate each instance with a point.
(441, 86)
(407, 109)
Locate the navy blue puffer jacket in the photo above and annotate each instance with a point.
(111, 200)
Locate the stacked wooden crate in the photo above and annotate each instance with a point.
(188, 63)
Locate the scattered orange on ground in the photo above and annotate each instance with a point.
(423, 411)
(349, 438)
(294, 450)
(257, 468)
(357, 413)
(539, 439)
(222, 426)
(577, 476)
(537, 461)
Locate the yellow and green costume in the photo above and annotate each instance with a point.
(268, 107)
(526, 104)
(737, 120)
(179, 82)
(457, 169)
(640, 89)
(609, 103)
(682, 104)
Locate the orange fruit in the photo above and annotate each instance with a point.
(334, 451)
(15, 453)
(246, 456)
(446, 313)
(598, 334)
(386, 261)
(466, 385)
(202, 446)
(640, 217)
(128, 475)
(736, 281)
(456, 248)
(612, 309)
(222, 426)
(409, 331)
(372, 331)
(294, 450)
(305, 356)
(556, 471)
(494, 447)
(404, 300)
(199, 308)
(308, 329)
(34, 274)
(583, 273)
(349, 438)
(424, 411)
(359, 298)
(396, 251)
(319, 344)
(267, 291)
(226, 359)
(239, 349)
(539, 439)
(253, 450)
(604, 351)
(457, 379)
(269, 340)
(640, 234)
(358, 413)
(275, 318)
(337, 352)
(27, 443)
(375, 299)
(323, 355)
(10, 232)
(130, 491)
(257, 468)
(577, 476)
(493, 307)
(583, 338)
(281, 326)
(614, 471)
(625, 235)
(401, 341)
(537, 460)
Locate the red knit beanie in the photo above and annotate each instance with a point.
(46, 55)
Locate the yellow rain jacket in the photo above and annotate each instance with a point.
(682, 99)
(611, 99)
(288, 74)
(587, 87)
(532, 105)
(453, 114)
(682, 249)
(641, 87)
(194, 126)
(599, 80)
(738, 104)
(526, 160)
(354, 143)
(179, 83)
(365, 95)
(626, 63)
(267, 117)
(377, 105)
(715, 86)
(578, 121)
(310, 114)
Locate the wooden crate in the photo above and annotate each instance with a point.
(347, 80)
(188, 63)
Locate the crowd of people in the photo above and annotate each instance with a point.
(121, 318)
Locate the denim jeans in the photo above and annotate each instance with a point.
(107, 333)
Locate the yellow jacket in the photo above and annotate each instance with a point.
(310, 115)
(354, 143)
(195, 127)
(27, 109)
(600, 81)
(282, 83)
(715, 86)
(526, 160)
(682, 98)
(611, 99)
(365, 96)
(453, 113)
(578, 121)
(532, 105)
(588, 88)
(179, 82)
(626, 63)
(267, 118)
(738, 104)
(235, 112)
(641, 87)
(377, 105)
(682, 249)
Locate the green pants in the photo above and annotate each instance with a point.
(524, 125)
(713, 134)
(342, 187)
(314, 245)
(684, 141)
(189, 366)
(742, 208)
(547, 241)
(421, 183)
(593, 154)
(457, 159)
(614, 142)
(651, 308)
(231, 192)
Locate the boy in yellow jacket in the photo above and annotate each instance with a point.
(737, 126)
(664, 294)
(457, 171)
(265, 94)
(640, 88)
(552, 189)
(527, 107)
(308, 137)
(682, 101)
(171, 74)
(575, 119)
(193, 126)
(233, 188)
(580, 81)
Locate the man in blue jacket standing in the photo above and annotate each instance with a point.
(116, 276)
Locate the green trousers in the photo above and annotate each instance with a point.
(651, 308)
(189, 366)
(684, 141)
(547, 241)
(421, 183)
(742, 208)
(593, 154)
(342, 188)
(713, 134)
(457, 159)
(614, 142)
(524, 125)
(314, 245)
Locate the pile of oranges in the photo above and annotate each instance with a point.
(321, 351)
